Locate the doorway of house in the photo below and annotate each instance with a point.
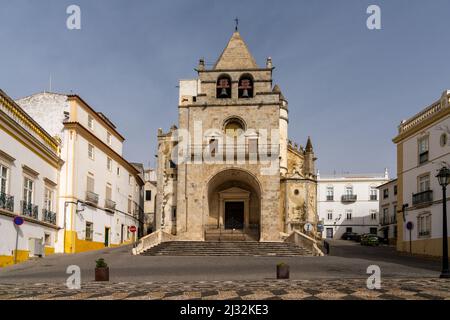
(329, 233)
(234, 215)
(107, 236)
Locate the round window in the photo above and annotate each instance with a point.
(296, 192)
(443, 140)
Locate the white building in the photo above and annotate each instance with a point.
(100, 191)
(422, 149)
(348, 203)
(29, 177)
(388, 211)
(150, 191)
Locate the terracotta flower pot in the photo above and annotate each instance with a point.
(101, 274)
(283, 271)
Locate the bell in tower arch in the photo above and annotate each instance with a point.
(223, 88)
(223, 93)
(245, 87)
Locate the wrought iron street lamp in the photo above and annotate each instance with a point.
(444, 179)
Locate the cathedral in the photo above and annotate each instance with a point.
(228, 168)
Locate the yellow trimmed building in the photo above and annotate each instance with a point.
(29, 178)
(422, 149)
(101, 193)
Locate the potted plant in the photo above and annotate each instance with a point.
(282, 271)
(101, 270)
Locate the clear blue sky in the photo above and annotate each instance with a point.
(348, 87)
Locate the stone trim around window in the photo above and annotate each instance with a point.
(6, 157)
(27, 170)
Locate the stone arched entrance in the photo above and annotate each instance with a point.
(234, 204)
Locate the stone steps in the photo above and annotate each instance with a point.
(227, 248)
(230, 235)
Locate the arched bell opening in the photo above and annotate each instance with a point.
(223, 87)
(245, 86)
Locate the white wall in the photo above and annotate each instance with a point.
(100, 130)
(77, 165)
(412, 169)
(390, 204)
(24, 156)
(121, 190)
(361, 221)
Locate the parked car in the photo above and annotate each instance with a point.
(349, 236)
(359, 237)
(370, 240)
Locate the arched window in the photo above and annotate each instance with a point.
(245, 87)
(234, 127)
(223, 87)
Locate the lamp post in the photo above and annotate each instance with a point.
(444, 179)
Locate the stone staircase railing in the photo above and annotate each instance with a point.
(304, 241)
(151, 240)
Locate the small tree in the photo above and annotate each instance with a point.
(100, 263)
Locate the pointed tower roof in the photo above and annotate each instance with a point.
(276, 89)
(309, 147)
(236, 55)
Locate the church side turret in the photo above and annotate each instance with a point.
(309, 158)
(284, 122)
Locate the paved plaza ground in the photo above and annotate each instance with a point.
(340, 275)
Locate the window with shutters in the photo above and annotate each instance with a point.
(91, 151)
(90, 184)
(108, 192)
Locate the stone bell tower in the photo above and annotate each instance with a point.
(239, 171)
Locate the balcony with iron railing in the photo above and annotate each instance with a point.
(91, 197)
(423, 197)
(424, 233)
(110, 205)
(29, 210)
(387, 220)
(349, 198)
(48, 216)
(330, 198)
(6, 202)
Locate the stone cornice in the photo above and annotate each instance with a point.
(235, 70)
(422, 125)
(236, 81)
(32, 125)
(97, 116)
(29, 141)
(257, 104)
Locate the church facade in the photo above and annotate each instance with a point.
(229, 166)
